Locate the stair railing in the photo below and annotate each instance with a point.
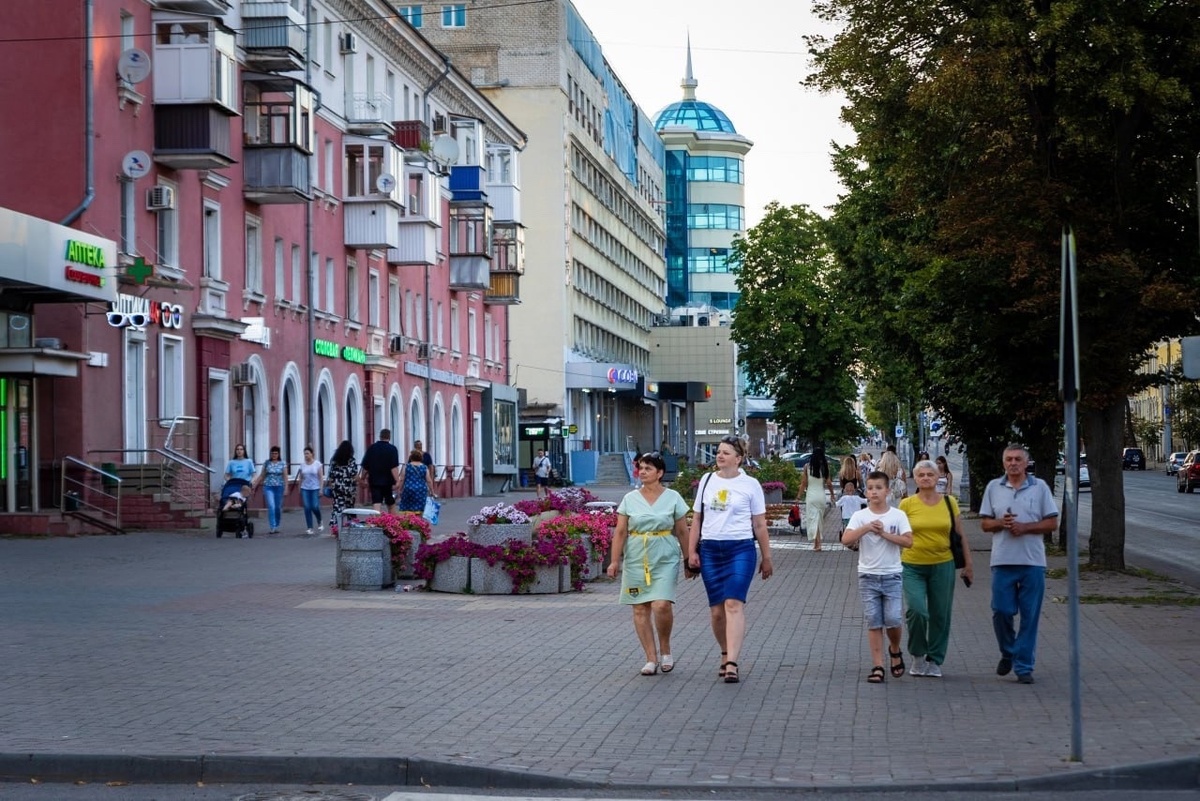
(169, 472)
(90, 493)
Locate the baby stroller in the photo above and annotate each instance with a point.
(232, 516)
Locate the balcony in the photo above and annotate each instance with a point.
(466, 183)
(372, 224)
(506, 202)
(411, 134)
(470, 244)
(368, 114)
(192, 137)
(418, 243)
(504, 289)
(211, 8)
(195, 62)
(276, 175)
(508, 248)
(273, 36)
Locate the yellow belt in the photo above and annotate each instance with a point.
(645, 535)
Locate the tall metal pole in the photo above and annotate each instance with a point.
(1068, 385)
(310, 366)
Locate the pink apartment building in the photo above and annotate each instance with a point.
(247, 222)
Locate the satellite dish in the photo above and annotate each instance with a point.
(445, 149)
(136, 164)
(134, 65)
(385, 183)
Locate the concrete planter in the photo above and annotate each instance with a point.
(500, 533)
(364, 559)
(494, 579)
(596, 564)
(773, 496)
(454, 574)
(407, 568)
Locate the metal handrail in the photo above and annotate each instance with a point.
(82, 496)
(192, 494)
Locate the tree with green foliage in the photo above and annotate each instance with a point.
(982, 129)
(794, 338)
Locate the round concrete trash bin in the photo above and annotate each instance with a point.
(364, 553)
(600, 506)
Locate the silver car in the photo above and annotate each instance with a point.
(1175, 461)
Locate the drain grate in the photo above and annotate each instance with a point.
(307, 795)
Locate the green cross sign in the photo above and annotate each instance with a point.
(139, 271)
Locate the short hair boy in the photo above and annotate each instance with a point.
(880, 531)
(850, 502)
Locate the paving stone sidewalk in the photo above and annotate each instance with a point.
(162, 643)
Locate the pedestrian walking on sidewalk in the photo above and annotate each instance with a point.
(889, 465)
(273, 478)
(417, 483)
(929, 570)
(343, 482)
(816, 486)
(381, 472)
(309, 478)
(731, 514)
(1017, 510)
(647, 549)
(880, 532)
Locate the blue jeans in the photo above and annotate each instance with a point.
(1017, 589)
(274, 498)
(883, 607)
(312, 506)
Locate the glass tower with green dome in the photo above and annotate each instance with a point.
(705, 198)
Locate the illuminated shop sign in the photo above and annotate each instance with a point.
(323, 347)
(622, 375)
(130, 311)
(81, 253)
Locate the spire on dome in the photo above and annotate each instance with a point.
(689, 82)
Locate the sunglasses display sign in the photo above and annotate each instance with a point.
(130, 311)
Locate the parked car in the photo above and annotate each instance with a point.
(1133, 459)
(1189, 472)
(801, 460)
(1174, 461)
(1060, 466)
(1085, 478)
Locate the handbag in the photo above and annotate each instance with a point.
(688, 569)
(327, 491)
(956, 540)
(433, 510)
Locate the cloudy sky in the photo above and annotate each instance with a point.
(749, 59)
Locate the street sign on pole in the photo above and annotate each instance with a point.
(1068, 385)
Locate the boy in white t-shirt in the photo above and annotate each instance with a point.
(850, 502)
(880, 531)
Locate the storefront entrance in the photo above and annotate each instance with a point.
(16, 444)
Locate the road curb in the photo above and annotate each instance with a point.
(1173, 774)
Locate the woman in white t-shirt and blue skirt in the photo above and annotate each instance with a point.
(734, 514)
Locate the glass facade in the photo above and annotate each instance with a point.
(715, 168)
(715, 215)
(695, 115)
(708, 260)
(677, 227)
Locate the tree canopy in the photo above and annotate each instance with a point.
(982, 129)
(795, 339)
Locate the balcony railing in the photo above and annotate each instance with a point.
(369, 114)
(276, 175)
(504, 289)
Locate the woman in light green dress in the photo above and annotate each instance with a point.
(647, 548)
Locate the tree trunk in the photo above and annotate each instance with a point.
(984, 462)
(1104, 428)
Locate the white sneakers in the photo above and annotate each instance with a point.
(919, 667)
(309, 532)
(320, 527)
(933, 670)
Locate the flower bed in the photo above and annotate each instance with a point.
(401, 529)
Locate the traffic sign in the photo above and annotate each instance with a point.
(899, 431)
(572, 429)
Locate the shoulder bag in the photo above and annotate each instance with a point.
(699, 527)
(956, 541)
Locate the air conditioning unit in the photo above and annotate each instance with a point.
(396, 344)
(423, 351)
(347, 43)
(439, 123)
(243, 375)
(160, 198)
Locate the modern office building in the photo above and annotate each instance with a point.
(592, 184)
(705, 210)
(269, 223)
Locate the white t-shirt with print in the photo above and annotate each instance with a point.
(729, 506)
(877, 556)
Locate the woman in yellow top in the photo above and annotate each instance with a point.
(648, 558)
(929, 570)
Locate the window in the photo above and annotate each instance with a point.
(212, 240)
(127, 31)
(328, 33)
(280, 277)
(170, 377)
(419, 319)
(455, 336)
(454, 16)
(389, 100)
(352, 291)
(373, 298)
(297, 281)
(168, 237)
(128, 217)
(330, 286)
(472, 333)
(487, 338)
(328, 181)
(314, 280)
(364, 163)
(393, 306)
(254, 276)
(440, 325)
(412, 15)
(409, 324)
(714, 215)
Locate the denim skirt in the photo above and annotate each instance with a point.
(727, 567)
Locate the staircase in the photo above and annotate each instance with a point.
(169, 496)
(612, 469)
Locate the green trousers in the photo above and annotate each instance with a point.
(929, 595)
